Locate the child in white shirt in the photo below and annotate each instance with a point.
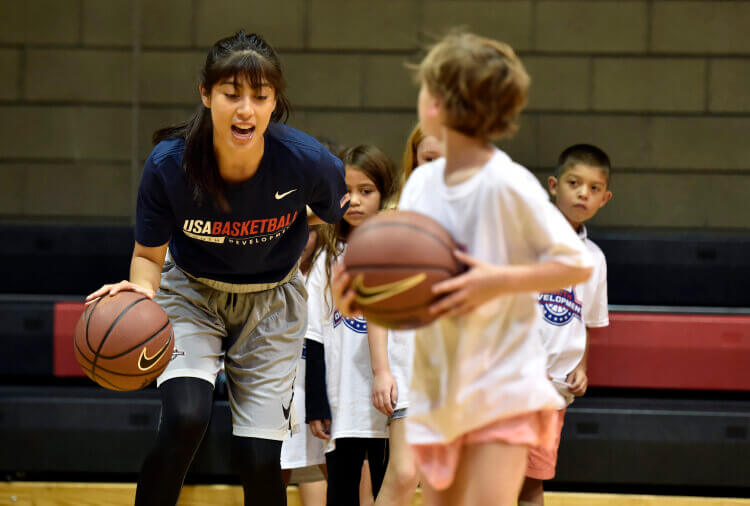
(480, 396)
(579, 187)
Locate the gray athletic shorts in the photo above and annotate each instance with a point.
(259, 335)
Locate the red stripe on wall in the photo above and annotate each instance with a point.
(637, 350)
(671, 351)
(66, 317)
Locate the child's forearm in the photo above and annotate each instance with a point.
(585, 357)
(542, 277)
(378, 341)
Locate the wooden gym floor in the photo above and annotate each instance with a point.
(117, 494)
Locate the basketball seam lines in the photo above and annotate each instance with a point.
(116, 387)
(88, 321)
(423, 231)
(139, 344)
(409, 225)
(109, 330)
(147, 373)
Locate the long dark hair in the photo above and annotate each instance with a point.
(381, 170)
(240, 56)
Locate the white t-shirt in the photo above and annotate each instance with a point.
(567, 313)
(347, 358)
(475, 369)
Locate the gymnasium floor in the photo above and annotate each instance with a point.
(115, 494)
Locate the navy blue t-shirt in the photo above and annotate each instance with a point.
(262, 237)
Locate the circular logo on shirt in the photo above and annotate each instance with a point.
(558, 308)
(358, 325)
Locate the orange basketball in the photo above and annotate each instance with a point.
(394, 258)
(123, 342)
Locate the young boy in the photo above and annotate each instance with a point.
(479, 395)
(579, 188)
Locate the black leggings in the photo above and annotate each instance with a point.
(345, 468)
(186, 411)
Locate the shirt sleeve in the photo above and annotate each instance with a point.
(154, 217)
(412, 187)
(317, 406)
(597, 311)
(327, 199)
(318, 310)
(548, 233)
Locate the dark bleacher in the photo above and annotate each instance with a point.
(62, 259)
(646, 267)
(680, 305)
(677, 268)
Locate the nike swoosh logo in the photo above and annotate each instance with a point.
(286, 410)
(280, 196)
(371, 294)
(145, 362)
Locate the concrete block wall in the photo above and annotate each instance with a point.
(661, 85)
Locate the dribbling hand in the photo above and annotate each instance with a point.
(113, 288)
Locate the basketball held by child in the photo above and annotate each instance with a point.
(123, 341)
(394, 259)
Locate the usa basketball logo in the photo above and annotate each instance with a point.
(559, 307)
(358, 325)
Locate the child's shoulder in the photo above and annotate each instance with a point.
(596, 252)
(426, 172)
(424, 176)
(504, 172)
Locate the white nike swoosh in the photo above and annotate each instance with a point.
(280, 196)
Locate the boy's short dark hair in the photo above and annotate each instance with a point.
(585, 154)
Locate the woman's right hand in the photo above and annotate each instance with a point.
(122, 286)
(321, 429)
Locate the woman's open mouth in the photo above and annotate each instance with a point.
(241, 133)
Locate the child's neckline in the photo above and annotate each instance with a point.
(464, 179)
(460, 176)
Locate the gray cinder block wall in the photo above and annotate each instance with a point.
(662, 85)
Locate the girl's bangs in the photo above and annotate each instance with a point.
(251, 66)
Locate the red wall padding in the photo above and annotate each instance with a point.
(637, 350)
(66, 317)
(671, 351)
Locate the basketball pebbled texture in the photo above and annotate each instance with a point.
(394, 258)
(123, 342)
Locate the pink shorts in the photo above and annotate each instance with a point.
(438, 462)
(542, 461)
